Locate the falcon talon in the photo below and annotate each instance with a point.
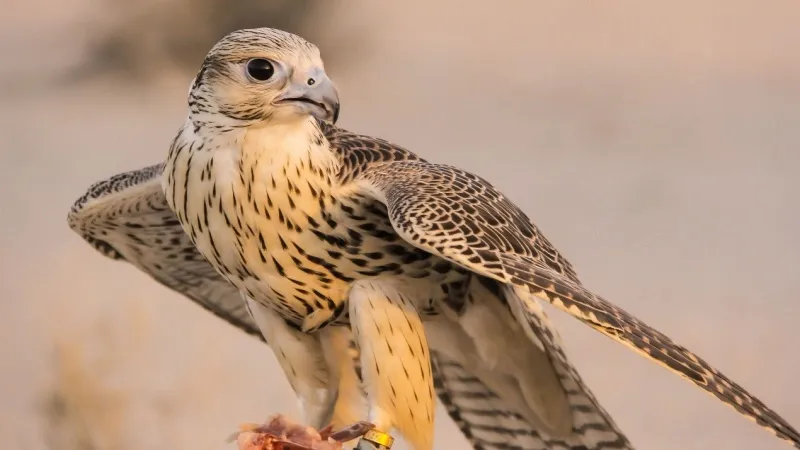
(281, 433)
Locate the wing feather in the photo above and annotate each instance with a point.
(464, 219)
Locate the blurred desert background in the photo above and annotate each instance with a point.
(657, 145)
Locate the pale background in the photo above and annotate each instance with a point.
(657, 147)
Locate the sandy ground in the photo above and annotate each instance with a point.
(657, 148)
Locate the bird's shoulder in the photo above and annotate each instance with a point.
(357, 153)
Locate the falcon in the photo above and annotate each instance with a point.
(330, 235)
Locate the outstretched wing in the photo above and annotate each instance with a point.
(127, 218)
(464, 219)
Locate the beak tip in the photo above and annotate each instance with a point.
(335, 112)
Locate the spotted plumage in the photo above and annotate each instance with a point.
(277, 199)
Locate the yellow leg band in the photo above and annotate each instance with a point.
(379, 438)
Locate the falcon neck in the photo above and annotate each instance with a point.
(297, 145)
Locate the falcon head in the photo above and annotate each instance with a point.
(262, 75)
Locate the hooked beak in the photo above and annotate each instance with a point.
(320, 98)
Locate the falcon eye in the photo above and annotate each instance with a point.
(260, 69)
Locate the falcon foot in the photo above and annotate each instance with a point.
(279, 433)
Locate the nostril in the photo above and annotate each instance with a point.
(311, 81)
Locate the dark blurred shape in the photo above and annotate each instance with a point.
(146, 36)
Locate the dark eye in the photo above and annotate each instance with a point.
(260, 69)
